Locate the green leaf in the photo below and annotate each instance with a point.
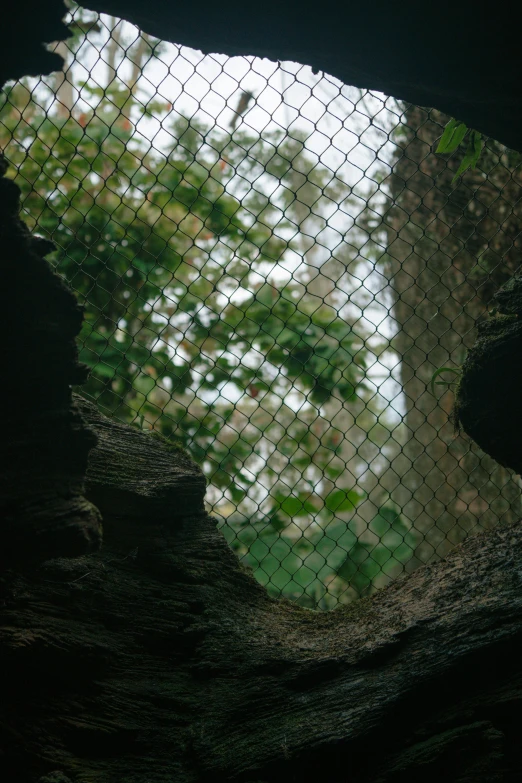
(277, 524)
(104, 370)
(334, 471)
(292, 506)
(453, 135)
(455, 370)
(339, 500)
(446, 135)
(237, 494)
(388, 519)
(473, 152)
(355, 558)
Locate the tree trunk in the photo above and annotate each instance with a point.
(113, 49)
(63, 85)
(160, 659)
(449, 247)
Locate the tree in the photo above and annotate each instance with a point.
(449, 246)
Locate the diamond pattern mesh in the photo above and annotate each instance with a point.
(273, 265)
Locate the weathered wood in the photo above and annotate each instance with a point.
(464, 64)
(137, 477)
(160, 659)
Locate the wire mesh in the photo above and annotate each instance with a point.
(273, 265)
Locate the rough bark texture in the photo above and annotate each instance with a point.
(46, 443)
(159, 659)
(449, 246)
(42, 508)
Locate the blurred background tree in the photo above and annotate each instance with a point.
(449, 246)
(216, 311)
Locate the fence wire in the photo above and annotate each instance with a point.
(273, 265)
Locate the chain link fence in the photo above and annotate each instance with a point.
(273, 266)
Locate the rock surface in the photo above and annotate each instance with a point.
(159, 659)
(42, 507)
(487, 404)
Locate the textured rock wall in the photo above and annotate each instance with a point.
(45, 442)
(158, 659)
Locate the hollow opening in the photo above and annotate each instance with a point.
(273, 266)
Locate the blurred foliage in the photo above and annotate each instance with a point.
(188, 328)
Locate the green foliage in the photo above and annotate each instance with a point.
(369, 560)
(453, 136)
(455, 370)
(193, 328)
(334, 553)
(472, 154)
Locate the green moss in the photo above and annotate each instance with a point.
(509, 298)
(173, 446)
